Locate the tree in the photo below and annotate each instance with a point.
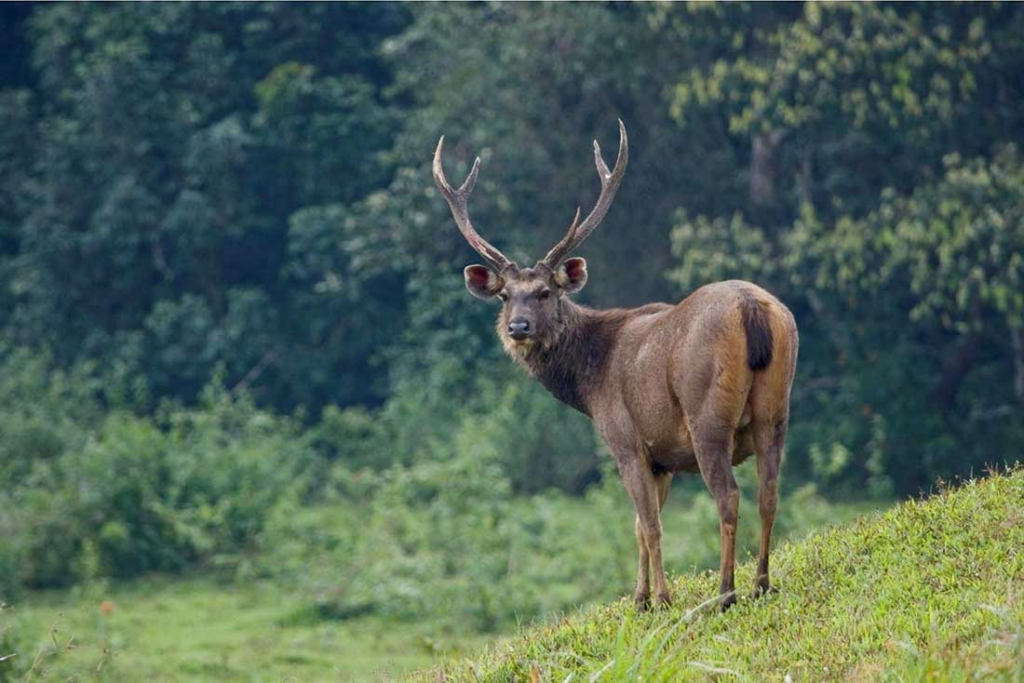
(166, 179)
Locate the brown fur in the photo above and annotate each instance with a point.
(697, 387)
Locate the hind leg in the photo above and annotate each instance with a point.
(768, 441)
(663, 480)
(714, 457)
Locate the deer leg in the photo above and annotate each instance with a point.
(643, 489)
(642, 594)
(768, 440)
(714, 457)
(663, 481)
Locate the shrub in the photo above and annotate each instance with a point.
(191, 486)
(449, 540)
(539, 443)
(42, 412)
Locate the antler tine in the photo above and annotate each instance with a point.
(575, 222)
(457, 203)
(554, 257)
(610, 181)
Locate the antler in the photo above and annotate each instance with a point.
(457, 202)
(610, 181)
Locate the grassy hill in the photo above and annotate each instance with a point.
(931, 590)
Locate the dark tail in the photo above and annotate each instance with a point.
(759, 334)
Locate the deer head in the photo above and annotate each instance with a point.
(531, 298)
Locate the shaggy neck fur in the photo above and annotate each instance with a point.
(570, 362)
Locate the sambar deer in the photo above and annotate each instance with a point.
(695, 387)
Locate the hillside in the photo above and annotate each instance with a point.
(932, 590)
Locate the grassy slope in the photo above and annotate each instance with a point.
(929, 591)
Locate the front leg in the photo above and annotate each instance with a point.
(647, 491)
(642, 593)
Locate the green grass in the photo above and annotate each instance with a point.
(203, 631)
(929, 591)
(198, 630)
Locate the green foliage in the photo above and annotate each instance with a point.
(514, 424)
(247, 187)
(238, 196)
(42, 412)
(117, 495)
(943, 262)
(888, 218)
(447, 540)
(717, 249)
(156, 166)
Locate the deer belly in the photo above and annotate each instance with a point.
(743, 445)
(679, 455)
(675, 455)
(674, 462)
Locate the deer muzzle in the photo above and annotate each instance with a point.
(519, 328)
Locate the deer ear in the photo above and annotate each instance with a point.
(482, 282)
(572, 275)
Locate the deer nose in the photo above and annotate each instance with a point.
(519, 328)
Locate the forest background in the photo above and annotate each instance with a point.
(235, 345)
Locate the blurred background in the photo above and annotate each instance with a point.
(242, 383)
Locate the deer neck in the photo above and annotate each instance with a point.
(572, 366)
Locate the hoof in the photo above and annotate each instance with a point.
(763, 589)
(728, 600)
(642, 601)
(663, 600)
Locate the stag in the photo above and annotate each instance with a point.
(697, 387)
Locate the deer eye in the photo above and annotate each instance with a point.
(503, 296)
(544, 294)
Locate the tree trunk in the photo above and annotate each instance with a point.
(804, 178)
(954, 371)
(1017, 342)
(764, 168)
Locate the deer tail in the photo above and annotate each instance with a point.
(759, 333)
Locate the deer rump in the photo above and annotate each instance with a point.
(720, 359)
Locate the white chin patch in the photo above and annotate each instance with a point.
(517, 348)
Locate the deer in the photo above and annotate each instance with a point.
(697, 387)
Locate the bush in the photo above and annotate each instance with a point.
(42, 412)
(190, 487)
(537, 442)
(449, 540)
